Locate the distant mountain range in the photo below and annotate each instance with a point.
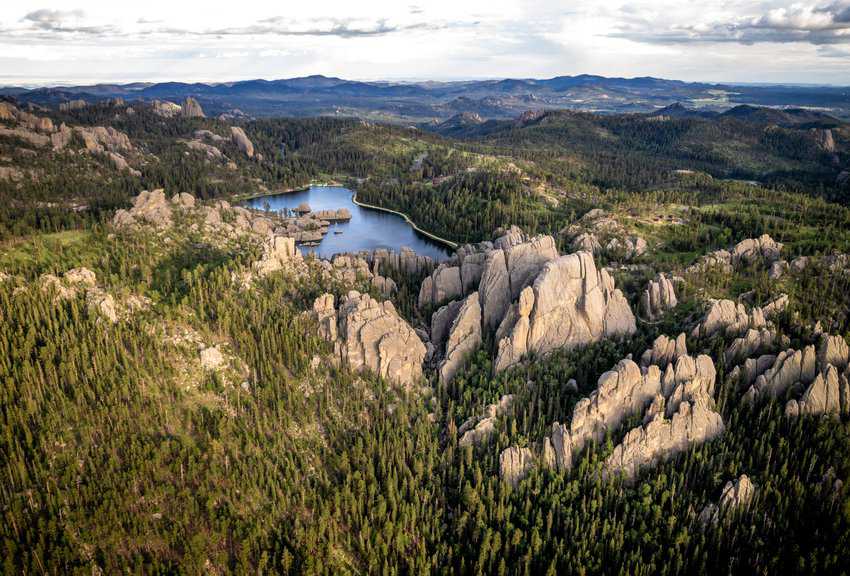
(436, 102)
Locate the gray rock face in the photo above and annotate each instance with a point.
(373, 336)
(514, 464)
(525, 260)
(570, 304)
(620, 393)
(752, 342)
(192, 109)
(441, 322)
(833, 350)
(494, 290)
(443, 284)
(464, 337)
(574, 304)
(658, 297)
(823, 396)
(241, 140)
(661, 438)
(789, 368)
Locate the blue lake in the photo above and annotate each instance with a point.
(367, 230)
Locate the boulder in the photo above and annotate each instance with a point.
(240, 139)
(211, 358)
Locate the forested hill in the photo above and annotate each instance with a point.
(636, 362)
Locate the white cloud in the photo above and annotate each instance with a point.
(96, 40)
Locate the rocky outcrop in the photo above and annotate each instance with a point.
(477, 430)
(751, 343)
(570, 304)
(442, 285)
(514, 464)
(620, 393)
(833, 350)
(463, 338)
(737, 495)
(165, 108)
(751, 250)
(658, 297)
(730, 318)
(149, 206)
(825, 395)
(574, 304)
(665, 351)
(790, 368)
(371, 335)
(240, 139)
(324, 313)
(72, 105)
(192, 109)
(278, 252)
(694, 422)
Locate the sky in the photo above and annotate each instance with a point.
(90, 41)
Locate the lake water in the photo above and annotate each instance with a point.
(367, 230)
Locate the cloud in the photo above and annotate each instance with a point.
(62, 22)
(807, 23)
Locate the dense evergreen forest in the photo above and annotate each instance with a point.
(121, 452)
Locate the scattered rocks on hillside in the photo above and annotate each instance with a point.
(597, 231)
(82, 281)
(658, 297)
(371, 335)
(746, 252)
(731, 318)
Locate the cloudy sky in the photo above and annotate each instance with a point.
(81, 41)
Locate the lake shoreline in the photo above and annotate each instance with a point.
(430, 235)
(449, 243)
